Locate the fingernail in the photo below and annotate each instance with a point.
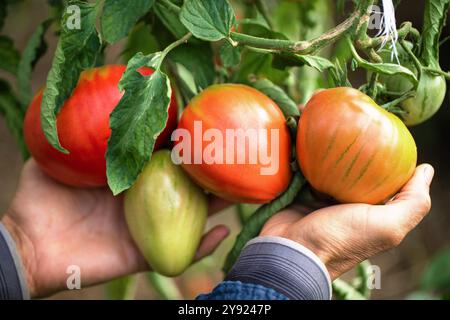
(429, 173)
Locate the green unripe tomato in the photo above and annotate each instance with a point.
(429, 97)
(166, 214)
(430, 92)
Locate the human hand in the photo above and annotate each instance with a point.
(344, 235)
(55, 226)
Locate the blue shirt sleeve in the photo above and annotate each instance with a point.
(274, 268)
(12, 281)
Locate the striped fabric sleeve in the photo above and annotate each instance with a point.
(12, 281)
(284, 266)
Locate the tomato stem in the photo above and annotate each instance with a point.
(344, 291)
(165, 287)
(372, 88)
(360, 14)
(437, 72)
(172, 46)
(405, 30)
(364, 273)
(413, 57)
(300, 47)
(435, 16)
(390, 106)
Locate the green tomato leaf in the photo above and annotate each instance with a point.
(208, 20)
(140, 40)
(255, 64)
(198, 59)
(35, 49)
(339, 75)
(388, 69)
(286, 104)
(434, 19)
(137, 121)
(9, 56)
(119, 17)
(78, 49)
(170, 20)
(316, 62)
(230, 56)
(13, 114)
(437, 275)
(288, 60)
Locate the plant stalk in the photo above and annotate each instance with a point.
(299, 47)
(173, 45)
(165, 287)
(369, 43)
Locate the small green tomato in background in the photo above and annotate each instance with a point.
(430, 93)
(166, 214)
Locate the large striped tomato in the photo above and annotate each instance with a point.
(83, 128)
(352, 149)
(237, 111)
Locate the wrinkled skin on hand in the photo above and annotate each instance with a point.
(55, 226)
(344, 235)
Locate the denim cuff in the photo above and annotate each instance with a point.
(12, 280)
(284, 266)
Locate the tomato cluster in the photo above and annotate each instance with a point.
(347, 147)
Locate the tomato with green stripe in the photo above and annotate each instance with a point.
(352, 149)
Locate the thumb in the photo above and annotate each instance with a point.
(413, 202)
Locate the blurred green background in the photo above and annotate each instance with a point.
(402, 268)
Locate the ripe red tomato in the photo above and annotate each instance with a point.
(239, 110)
(83, 128)
(352, 149)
